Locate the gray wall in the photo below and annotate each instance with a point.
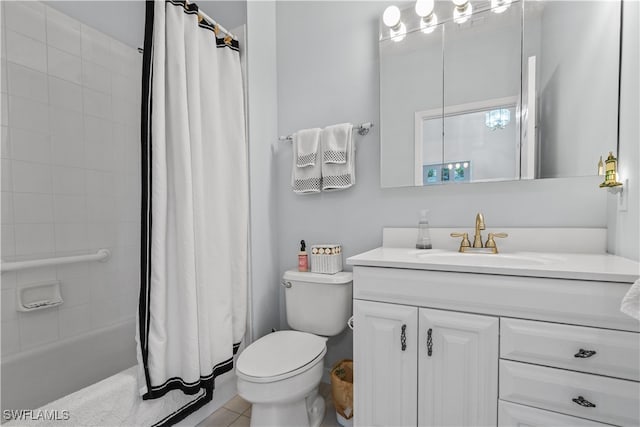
(124, 20)
(328, 73)
(262, 115)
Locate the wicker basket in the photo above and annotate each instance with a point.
(326, 259)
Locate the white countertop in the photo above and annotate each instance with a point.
(596, 267)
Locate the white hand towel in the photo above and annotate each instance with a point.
(306, 179)
(307, 143)
(631, 301)
(336, 142)
(338, 165)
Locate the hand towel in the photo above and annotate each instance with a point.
(338, 160)
(631, 301)
(335, 143)
(308, 178)
(307, 142)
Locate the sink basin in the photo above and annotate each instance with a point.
(489, 260)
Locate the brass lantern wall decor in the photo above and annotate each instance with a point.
(611, 172)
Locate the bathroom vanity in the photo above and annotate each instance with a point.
(443, 338)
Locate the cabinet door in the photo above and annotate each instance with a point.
(385, 377)
(458, 381)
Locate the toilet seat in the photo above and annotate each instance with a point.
(280, 355)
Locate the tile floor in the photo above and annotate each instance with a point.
(237, 412)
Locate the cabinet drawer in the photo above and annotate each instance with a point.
(511, 414)
(616, 401)
(617, 353)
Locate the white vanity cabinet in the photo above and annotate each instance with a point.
(449, 358)
(491, 349)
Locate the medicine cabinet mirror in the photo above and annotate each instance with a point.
(524, 92)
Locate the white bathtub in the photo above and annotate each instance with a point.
(33, 378)
(40, 377)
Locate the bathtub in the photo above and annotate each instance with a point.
(33, 378)
(85, 374)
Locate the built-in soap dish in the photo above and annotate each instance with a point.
(38, 296)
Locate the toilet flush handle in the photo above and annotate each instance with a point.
(350, 323)
(286, 284)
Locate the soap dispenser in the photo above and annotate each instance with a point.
(424, 237)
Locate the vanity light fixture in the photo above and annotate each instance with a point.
(462, 11)
(497, 119)
(429, 20)
(391, 18)
(499, 6)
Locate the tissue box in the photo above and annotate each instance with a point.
(326, 259)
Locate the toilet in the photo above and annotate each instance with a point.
(279, 374)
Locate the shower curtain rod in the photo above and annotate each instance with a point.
(362, 129)
(212, 21)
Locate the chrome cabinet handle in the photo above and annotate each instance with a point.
(583, 354)
(403, 338)
(429, 343)
(583, 402)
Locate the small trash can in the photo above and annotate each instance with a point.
(342, 391)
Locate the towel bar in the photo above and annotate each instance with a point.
(362, 129)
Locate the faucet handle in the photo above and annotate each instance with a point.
(492, 243)
(465, 243)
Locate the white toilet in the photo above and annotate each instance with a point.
(280, 373)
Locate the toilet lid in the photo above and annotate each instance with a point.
(279, 353)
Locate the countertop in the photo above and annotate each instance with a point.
(595, 267)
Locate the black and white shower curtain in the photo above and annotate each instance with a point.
(192, 307)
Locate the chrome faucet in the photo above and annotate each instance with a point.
(478, 247)
(477, 237)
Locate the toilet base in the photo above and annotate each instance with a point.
(301, 413)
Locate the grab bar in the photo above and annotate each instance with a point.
(101, 255)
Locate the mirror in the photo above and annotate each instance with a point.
(529, 92)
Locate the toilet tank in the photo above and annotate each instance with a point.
(318, 303)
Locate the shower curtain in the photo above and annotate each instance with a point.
(193, 293)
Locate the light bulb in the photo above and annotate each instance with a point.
(499, 6)
(397, 35)
(449, 166)
(462, 15)
(429, 24)
(424, 8)
(460, 3)
(465, 165)
(391, 16)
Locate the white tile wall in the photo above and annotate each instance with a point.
(30, 177)
(28, 83)
(4, 149)
(26, 18)
(64, 65)
(31, 146)
(7, 207)
(26, 51)
(38, 327)
(33, 208)
(65, 94)
(63, 32)
(70, 171)
(3, 76)
(27, 114)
